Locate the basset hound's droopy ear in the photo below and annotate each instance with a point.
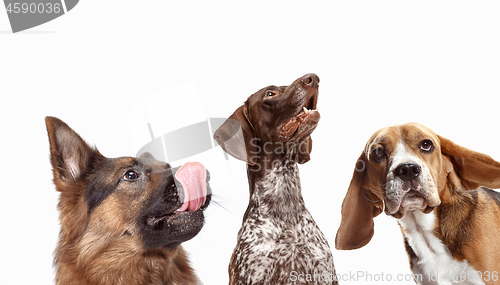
(468, 169)
(236, 136)
(359, 208)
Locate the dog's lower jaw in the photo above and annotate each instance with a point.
(306, 119)
(401, 213)
(399, 199)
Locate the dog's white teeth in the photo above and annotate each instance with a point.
(306, 111)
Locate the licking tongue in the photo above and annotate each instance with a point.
(192, 176)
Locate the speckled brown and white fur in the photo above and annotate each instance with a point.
(279, 242)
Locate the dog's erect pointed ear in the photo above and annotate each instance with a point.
(358, 210)
(236, 136)
(473, 169)
(70, 155)
(305, 148)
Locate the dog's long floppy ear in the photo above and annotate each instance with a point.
(70, 155)
(359, 208)
(473, 169)
(236, 136)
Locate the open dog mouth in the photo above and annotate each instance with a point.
(411, 201)
(193, 191)
(308, 114)
(172, 217)
(193, 178)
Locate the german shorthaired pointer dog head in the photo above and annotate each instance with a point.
(278, 236)
(274, 124)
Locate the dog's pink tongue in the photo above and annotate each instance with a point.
(192, 177)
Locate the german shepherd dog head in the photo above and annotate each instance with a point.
(123, 219)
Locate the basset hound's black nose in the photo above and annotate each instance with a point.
(408, 171)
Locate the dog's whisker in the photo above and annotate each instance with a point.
(220, 204)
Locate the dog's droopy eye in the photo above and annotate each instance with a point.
(131, 176)
(378, 154)
(426, 146)
(270, 94)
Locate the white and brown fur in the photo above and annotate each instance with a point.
(279, 242)
(431, 185)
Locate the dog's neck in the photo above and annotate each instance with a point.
(431, 259)
(158, 266)
(275, 192)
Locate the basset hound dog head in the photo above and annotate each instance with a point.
(408, 168)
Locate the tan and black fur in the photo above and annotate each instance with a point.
(118, 224)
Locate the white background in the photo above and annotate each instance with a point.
(380, 62)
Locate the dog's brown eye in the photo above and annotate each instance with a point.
(270, 94)
(378, 154)
(131, 175)
(426, 145)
